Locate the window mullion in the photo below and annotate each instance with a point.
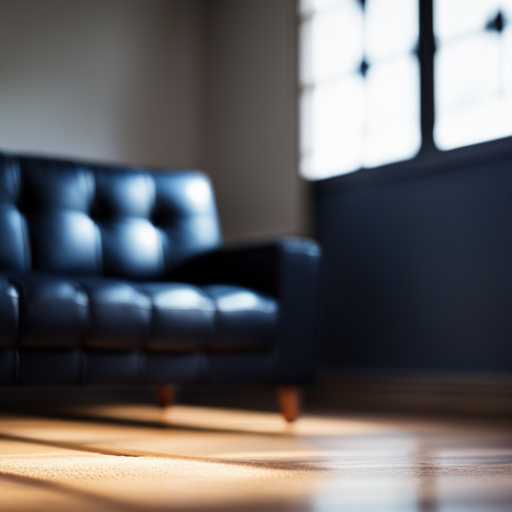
(426, 50)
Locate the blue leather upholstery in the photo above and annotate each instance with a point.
(112, 275)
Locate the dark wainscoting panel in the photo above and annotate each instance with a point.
(418, 267)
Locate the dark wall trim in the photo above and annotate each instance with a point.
(434, 162)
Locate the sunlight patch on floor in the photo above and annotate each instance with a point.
(131, 458)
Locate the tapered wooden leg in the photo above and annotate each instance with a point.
(165, 396)
(289, 402)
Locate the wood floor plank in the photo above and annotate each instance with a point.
(136, 458)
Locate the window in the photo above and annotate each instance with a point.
(359, 84)
(362, 100)
(473, 71)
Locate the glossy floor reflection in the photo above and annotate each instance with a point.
(189, 458)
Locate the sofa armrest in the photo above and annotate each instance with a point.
(288, 269)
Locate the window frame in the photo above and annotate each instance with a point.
(429, 159)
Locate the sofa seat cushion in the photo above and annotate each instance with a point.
(53, 311)
(212, 318)
(183, 317)
(244, 318)
(101, 314)
(119, 314)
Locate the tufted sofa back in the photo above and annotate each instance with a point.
(83, 219)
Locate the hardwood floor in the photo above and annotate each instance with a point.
(131, 458)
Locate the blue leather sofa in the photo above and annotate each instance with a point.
(113, 275)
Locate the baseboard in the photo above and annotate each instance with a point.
(453, 394)
(339, 392)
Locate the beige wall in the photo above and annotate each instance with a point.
(107, 80)
(186, 83)
(250, 126)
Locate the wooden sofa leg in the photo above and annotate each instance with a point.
(289, 398)
(165, 396)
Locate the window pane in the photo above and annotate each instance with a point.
(306, 52)
(392, 107)
(391, 28)
(453, 18)
(506, 71)
(473, 72)
(467, 70)
(481, 122)
(336, 42)
(360, 84)
(336, 128)
(310, 6)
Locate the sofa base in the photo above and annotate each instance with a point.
(80, 367)
(288, 397)
(290, 402)
(166, 396)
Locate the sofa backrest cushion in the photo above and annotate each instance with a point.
(82, 219)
